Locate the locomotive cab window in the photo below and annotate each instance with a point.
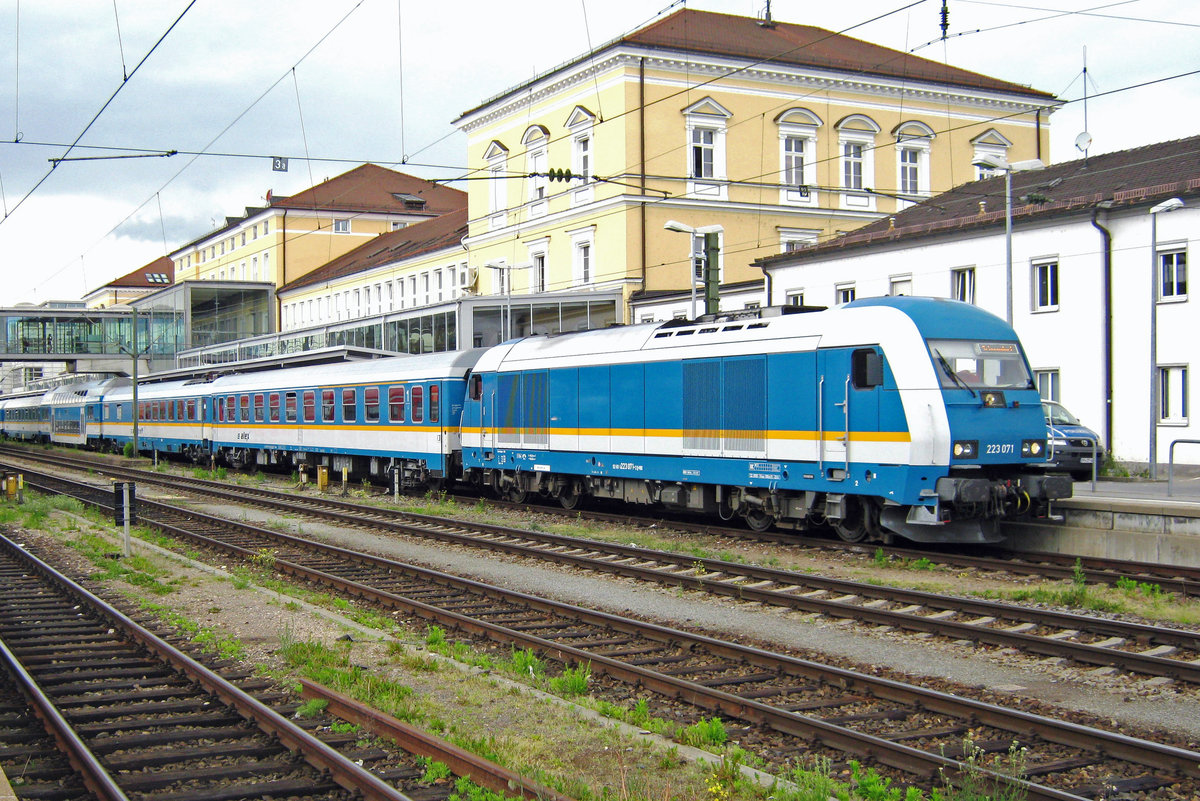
(866, 367)
(476, 390)
(967, 364)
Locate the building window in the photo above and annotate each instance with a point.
(1045, 286)
(497, 165)
(1173, 394)
(706, 120)
(1173, 275)
(537, 175)
(1047, 383)
(852, 165)
(798, 148)
(910, 171)
(962, 284)
(538, 283)
(583, 262)
(341, 226)
(794, 297)
(844, 293)
(583, 158)
(703, 152)
(900, 285)
(700, 258)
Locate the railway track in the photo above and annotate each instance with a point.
(1173, 578)
(785, 705)
(92, 701)
(1137, 648)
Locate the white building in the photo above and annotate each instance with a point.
(1095, 254)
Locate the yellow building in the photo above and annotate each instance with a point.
(774, 136)
(291, 236)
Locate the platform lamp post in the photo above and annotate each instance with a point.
(506, 270)
(711, 234)
(1162, 208)
(992, 162)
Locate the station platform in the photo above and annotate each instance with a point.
(1132, 519)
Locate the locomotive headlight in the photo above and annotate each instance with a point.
(1031, 448)
(965, 449)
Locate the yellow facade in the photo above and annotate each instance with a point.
(276, 245)
(664, 137)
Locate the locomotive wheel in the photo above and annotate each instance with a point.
(853, 525)
(758, 520)
(515, 494)
(570, 496)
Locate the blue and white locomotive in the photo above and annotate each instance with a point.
(913, 416)
(908, 416)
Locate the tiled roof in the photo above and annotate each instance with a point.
(1140, 176)
(425, 237)
(783, 43)
(155, 275)
(370, 187)
(806, 46)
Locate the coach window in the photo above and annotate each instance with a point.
(418, 404)
(327, 404)
(230, 409)
(273, 405)
(259, 409)
(191, 409)
(290, 406)
(348, 406)
(371, 404)
(220, 411)
(434, 412)
(244, 413)
(396, 404)
(310, 406)
(866, 366)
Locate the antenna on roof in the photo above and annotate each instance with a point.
(767, 22)
(945, 19)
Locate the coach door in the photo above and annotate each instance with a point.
(206, 434)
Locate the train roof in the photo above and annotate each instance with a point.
(450, 364)
(876, 320)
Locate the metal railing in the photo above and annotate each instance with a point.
(1171, 462)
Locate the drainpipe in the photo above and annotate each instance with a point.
(1106, 237)
(766, 284)
(282, 272)
(642, 156)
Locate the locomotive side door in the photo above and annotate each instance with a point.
(833, 421)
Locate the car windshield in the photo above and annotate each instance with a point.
(1057, 415)
(970, 364)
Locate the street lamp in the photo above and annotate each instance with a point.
(991, 162)
(506, 269)
(1161, 208)
(710, 246)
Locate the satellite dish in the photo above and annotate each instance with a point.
(1083, 141)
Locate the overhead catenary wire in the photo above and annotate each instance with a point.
(107, 103)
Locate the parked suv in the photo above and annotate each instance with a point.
(1070, 442)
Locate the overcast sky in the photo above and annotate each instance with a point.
(342, 82)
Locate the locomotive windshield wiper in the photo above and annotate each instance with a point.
(953, 376)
